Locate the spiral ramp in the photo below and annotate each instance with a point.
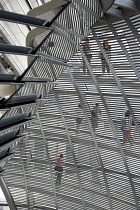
(101, 172)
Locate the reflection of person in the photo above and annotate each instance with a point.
(87, 51)
(95, 115)
(47, 46)
(60, 163)
(9, 69)
(4, 62)
(79, 113)
(107, 49)
(2, 41)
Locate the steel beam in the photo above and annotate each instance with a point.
(57, 25)
(11, 49)
(22, 19)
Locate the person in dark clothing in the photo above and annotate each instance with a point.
(95, 113)
(104, 63)
(107, 49)
(87, 52)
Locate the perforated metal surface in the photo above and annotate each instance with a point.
(101, 170)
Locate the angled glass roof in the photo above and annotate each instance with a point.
(3, 201)
(15, 34)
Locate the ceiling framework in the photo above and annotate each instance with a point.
(101, 169)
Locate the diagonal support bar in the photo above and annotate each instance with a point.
(22, 19)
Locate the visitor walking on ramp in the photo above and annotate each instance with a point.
(95, 116)
(132, 124)
(79, 118)
(87, 51)
(59, 169)
(126, 124)
(107, 49)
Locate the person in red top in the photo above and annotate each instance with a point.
(59, 164)
(132, 124)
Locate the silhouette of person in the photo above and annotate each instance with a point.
(87, 52)
(79, 113)
(95, 113)
(107, 49)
